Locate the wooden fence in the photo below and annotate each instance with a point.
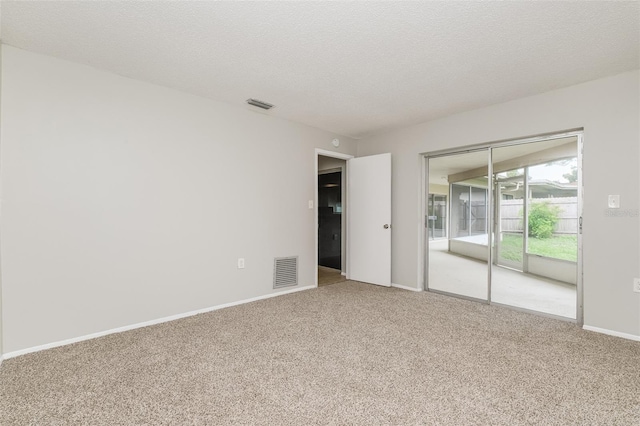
(511, 214)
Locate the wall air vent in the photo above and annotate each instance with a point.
(285, 271)
(259, 104)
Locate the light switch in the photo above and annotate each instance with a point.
(614, 201)
(310, 204)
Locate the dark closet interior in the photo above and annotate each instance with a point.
(330, 220)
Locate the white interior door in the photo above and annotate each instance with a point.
(369, 219)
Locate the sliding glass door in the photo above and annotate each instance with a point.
(513, 224)
(536, 228)
(458, 261)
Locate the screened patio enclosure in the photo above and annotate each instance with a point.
(515, 206)
(437, 216)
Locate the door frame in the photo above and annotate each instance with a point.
(332, 154)
(423, 246)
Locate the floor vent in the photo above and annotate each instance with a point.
(285, 271)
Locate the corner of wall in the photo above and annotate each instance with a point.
(1, 323)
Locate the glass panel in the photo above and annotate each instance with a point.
(440, 216)
(437, 216)
(553, 210)
(510, 224)
(458, 261)
(536, 207)
(478, 211)
(460, 211)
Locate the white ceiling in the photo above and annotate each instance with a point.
(352, 68)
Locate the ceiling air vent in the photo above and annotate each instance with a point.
(259, 104)
(285, 271)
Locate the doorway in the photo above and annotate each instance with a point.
(365, 215)
(457, 264)
(330, 219)
(331, 229)
(514, 231)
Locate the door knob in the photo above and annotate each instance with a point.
(386, 226)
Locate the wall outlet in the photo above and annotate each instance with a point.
(241, 263)
(636, 285)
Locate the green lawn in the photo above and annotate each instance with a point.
(558, 246)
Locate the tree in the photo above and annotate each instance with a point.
(572, 176)
(542, 219)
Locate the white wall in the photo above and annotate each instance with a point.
(1, 322)
(608, 110)
(125, 202)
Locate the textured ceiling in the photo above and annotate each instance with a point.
(353, 68)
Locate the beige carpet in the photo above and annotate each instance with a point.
(327, 276)
(348, 353)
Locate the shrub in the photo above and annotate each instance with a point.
(542, 219)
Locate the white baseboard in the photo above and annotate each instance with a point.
(344, 274)
(147, 323)
(404, 287)
(612, 333)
